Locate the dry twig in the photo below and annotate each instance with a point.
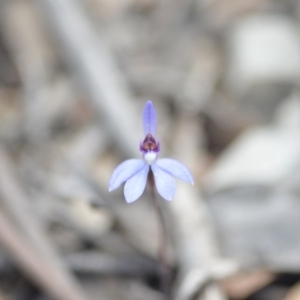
(47, 261)
(93, 64)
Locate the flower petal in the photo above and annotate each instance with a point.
(124, 171)
(165, 182)
(175, 168)
(135, 186)
(149, 119)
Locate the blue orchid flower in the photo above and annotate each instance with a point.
(135, 171)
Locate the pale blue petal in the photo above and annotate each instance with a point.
(175, 168)
(165, 183)
(149, 119)
(135, 186)
(124, 171)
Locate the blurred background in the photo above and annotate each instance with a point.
(224, 77)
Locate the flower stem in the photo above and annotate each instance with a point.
(164, 270)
